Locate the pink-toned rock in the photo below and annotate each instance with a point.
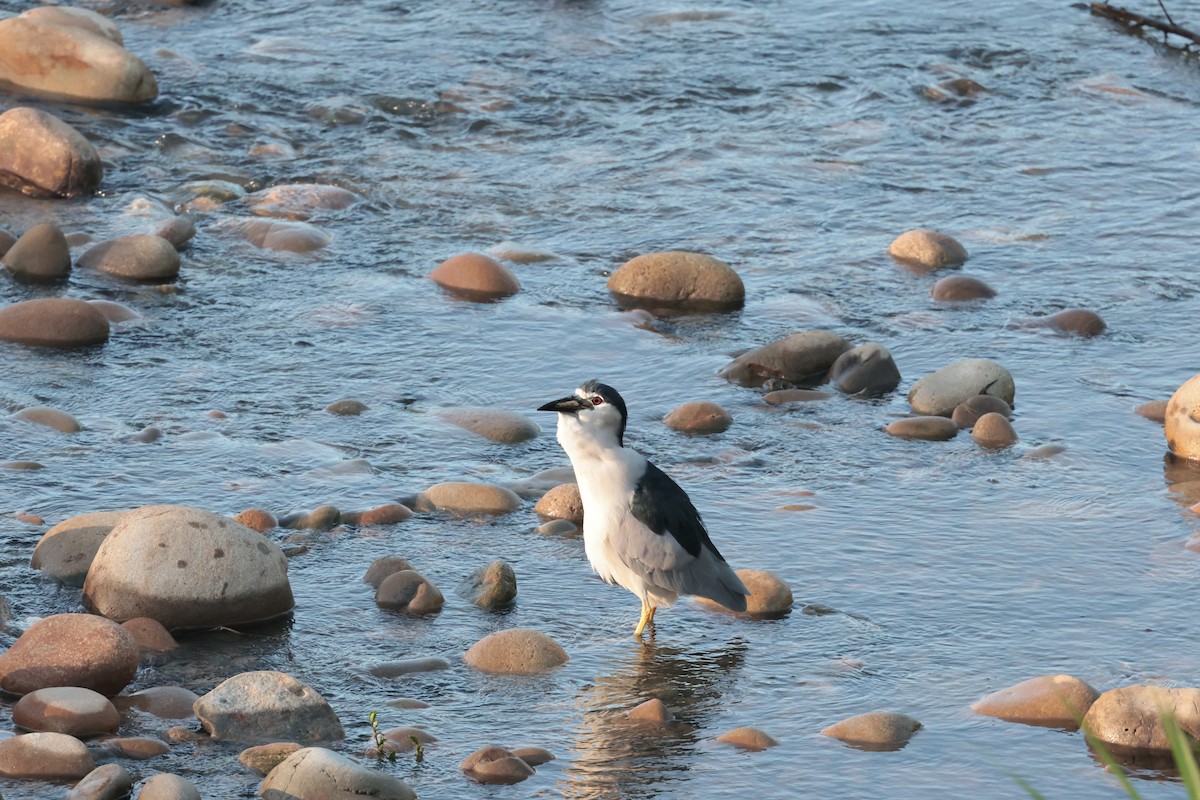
(1077, 321)
(77, 17)
(48, 417)
(70, 650)
(66, 709)
(468, 499)
(1129, 719)
(53, 322)
(409, 591)
(699, 416)
(495, 765)
(288, 236)
(533, 756)
(139, 748)
(1057, 701)
(45, 756)
(782, 397)
(516, 651)
(934, 429)
(257, 520)
(1182, 422)
(677, 281)
(164, 702)
(961, 288)
(653, 710)
(927, 249)
(562, 502)
(71, 62)
(299, 200)
(150, 634)
(42, 156)
(968, 412)
(499, 425)
(474, 276)
(386, 514)
(748, 739)
(995, 431)
(106, 782)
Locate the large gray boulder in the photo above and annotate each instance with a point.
(267, 706)
(187, 568)
(65, 552)
(314, 773)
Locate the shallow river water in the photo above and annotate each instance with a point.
(792, 140)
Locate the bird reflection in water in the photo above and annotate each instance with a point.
(618, 757)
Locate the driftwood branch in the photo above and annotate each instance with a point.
(1133, 19)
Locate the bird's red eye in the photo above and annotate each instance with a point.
(597, 401)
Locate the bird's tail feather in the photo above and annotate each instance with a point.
(729, 590)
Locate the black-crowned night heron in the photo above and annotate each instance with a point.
(640, 530)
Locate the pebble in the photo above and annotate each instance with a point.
(150, 634)
(106, 782)
(394, 669)
(699, 416)
(515, 651)
(967, 413)
(70, 650)
(266, 705)
(868, 370)
(562, 502)
(42, 156)
(48, 417)
(652, 710)
(315, 773)
(994, 430)
(1129, 717)
(493, 586)
(321, 518)
(382, 567)
(495, 765)
(877, 730)
(346, 408)
(802, 358)
(138, 748)
(677, 281)
(506, 427)
(42, 254)
(751, 739)
(164, 702)
(138, 258)
(72, 710)
(934, 429)
(1056, 701)
(937, 394)
(1075, 321)
(781, 397)
(299, 200)
(46, 756)
(927, 249)
(1182, 423)
(1155, 411)
(474, 276)
(409, 591)
(961, 288)
(53, 322)
(286, 236)
(256, 519)
(468, 499)
(168, 786)
(178, 230)
(114, 312)
(386, 514)
(265, 757)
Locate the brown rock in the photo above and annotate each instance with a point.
(1155, 411)
(7, 240)
(138, 258)
(42, 156)
(653, 710)
(677, 281)
(516, 651)
(168, 786)
(346, 408)
(106, 782)
(994, 430)
(45, 756)
(877, 730)
(409, 591)
(386, 514)
(53, 322)
(562, 502)
(382, 567)
(506, 427)
(935, 429)
(493, 586)
(265, 757)
(533, 756)
(66, 709)
(27, 518)
(164, 702)
(150, 634)
(495, 765)
(473, 276)
(469, 499)
(1128, 719)
(769, 595)
(291, 237)
(1077, 321)
(70, 650)
(50, 418)
(802, 358)
(139, 748)
(748, 739)
(42, 254)
(560, 527)
(321, 518)
(967, 413)
(65, 552)
(1182, 424)
(867, 370)
(178, 230)
(299, 200)
(927, 249)
(781, 397)
(699, 416)
(257, 520)
(1056, 701)
(940, 392)
(961, 288)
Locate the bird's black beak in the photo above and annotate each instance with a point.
(567, 405)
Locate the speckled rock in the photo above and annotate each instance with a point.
(42, 156)
(79, 18)
(968, 412)
(383, 566)
(45, 756)
(409, 591)
(1075, 321)
(802, 358)
(53, 322)
(933, 429)
(507, 427)
(256, 519)
(265, 757)
(386, 514)
(995, 431)
(187, 568)
(299, 200)
(938, 393)
(516, 651)
(868, 370)
(877, 730)
(1182, 422)
(164, 702)
(769, 595)
(495, 765)
(562, 502)
(285, 236)
(150, 634)
(138, 258)
(346, 408)
(677, 281)
(72, 710)
(106, 782)
(267, 706)
(493, 586)
(960, 289)
(72, 62)
(65, 552)
(652, 710)
(314, 773)
(468, 499)
(1128, 719)
(42, 254)
(927, 249)
(748, 739)
(168, 786)
(1155, 411)
(1057, 701)
(473, 276)
(699, 416)
(70, 650)
(48, 417)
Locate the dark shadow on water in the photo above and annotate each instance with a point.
(616, 757)
(1148, 765)
(1182, 477)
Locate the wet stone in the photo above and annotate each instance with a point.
(265, 757)
(256, 519)
(1074, 321)
(746, 738)
(150, 634)
(386, 514)
(66, 709)
(137, 258)
(1182, 423)
(114, 312)
(967, 413)
(394, 669)
(516, 651)
(265, 706)
(47, 417)
(960, 289)
(652, 710)
(994, 430)
(299, 200)
(938, 393)
(1057, 701)
(699, 416)
(473, 276)
(46, 756)
(1128, 719)
(383, 566)
(802, 359)
(178, 230)
(533, 756)
(867, 370)
(138, 748)
(927, 249)
(346, 408)
(934, 429)
(495, 765)
(315, 773)
(285, 236)
(164, 702)
(321, 518)
(1155, 411)
(506, 427)
(70, 650)
(559, 527)
(42, 254)
(562, 502)
(106, 782)
(53, 322)
(769, 597)
(877, 730)
(782, 397)
(677, 281)
(78, 18)
(493, 586)
(409, 591)
(42, 156)
(468, 498)
(168, 786)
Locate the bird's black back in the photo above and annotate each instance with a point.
(662, 506)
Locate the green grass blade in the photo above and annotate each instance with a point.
(1032, 792)
(1185, 756)
(1113, 765)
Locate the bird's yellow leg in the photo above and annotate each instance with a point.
(647, 615)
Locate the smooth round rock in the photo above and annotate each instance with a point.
(562, 502)
(748, 739)
(516, 651)
(346, 408)
(1057, 701)
(559, 527)
(383, 566)
(45, 756)
(42, 254)
(493, 586)
(802, 358)
(408, 590)
(266, 706)
(967, 413)
(699, 416)
(106, 782)
(994, 430)
(927, 249)
(256, 519)
(652, 710)
(409, 666)
(48, 417)
(469, 498)
(677, 281)
(783, 397)
(71, 62)
(533, 756)
(168, 786)
(1128, 719)
(877, 730)
(1182, 422)
(299, 200)
(386, 514)
(164, 702)
(867, 370)
(473, 276)
(150, 634)
(72, 710)
(265, 757)
(77, 17)
(314, 773)
(53, 322)
(138, 748)
(769, 595)
(286, 236)
(507, 427)
(1075, 321)
(938, 393)
(42, 156)
(178, 230)
(495, 765)
(187, 568)
(70, 650)
(138, 258)
(961, 289)
(933, 429)
(321, 518)
(65, 552)
(1155, 411)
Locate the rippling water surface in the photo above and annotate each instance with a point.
(792, 140)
